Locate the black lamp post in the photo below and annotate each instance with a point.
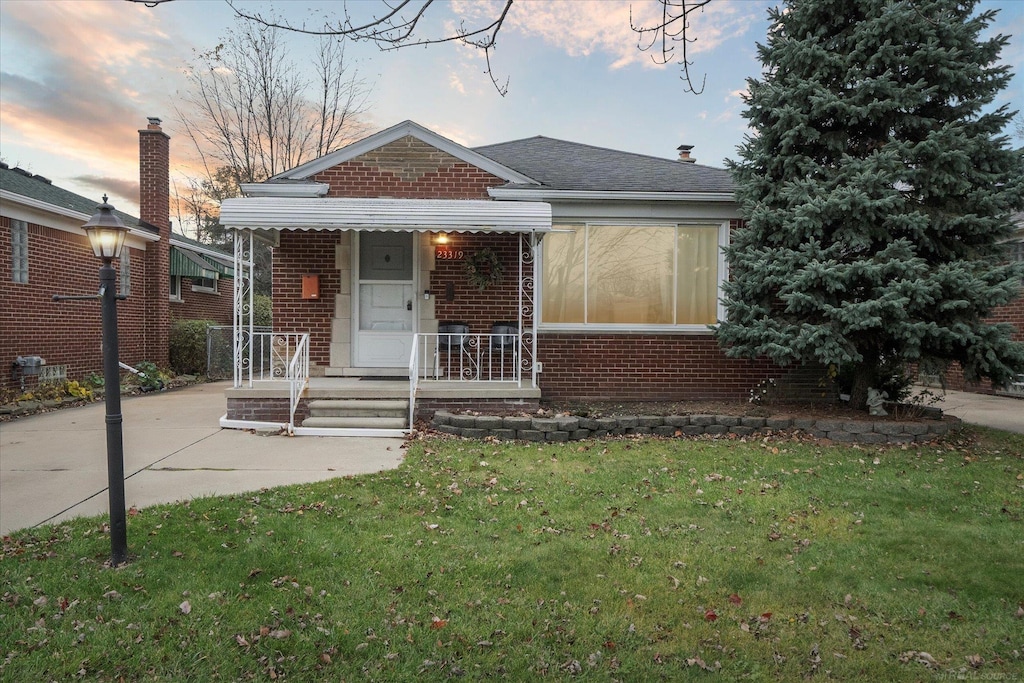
(106, 235)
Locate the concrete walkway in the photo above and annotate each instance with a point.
(53, 466)
(1000, 412)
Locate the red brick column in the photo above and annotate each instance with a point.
(154, 209)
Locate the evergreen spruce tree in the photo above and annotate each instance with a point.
(876, 191)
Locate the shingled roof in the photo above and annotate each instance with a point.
(563, 165)
(21, 182)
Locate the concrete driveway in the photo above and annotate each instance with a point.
(53, 466)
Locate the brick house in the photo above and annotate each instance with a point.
(610, 276)
(610, 272)
(44, 251)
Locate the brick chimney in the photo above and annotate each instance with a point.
(155, 211)
(684, 154)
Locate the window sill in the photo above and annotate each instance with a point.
(699, 330)
(176, 300)
(205, 290)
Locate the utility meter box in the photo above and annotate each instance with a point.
(310, 286)
(30, 365)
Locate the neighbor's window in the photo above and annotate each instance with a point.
(126, 272)
(1016, 250)
(606, 275)
(19, 251)
(204, 284)
(175, 288)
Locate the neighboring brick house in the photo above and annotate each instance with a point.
(611, 261)
(44, 251)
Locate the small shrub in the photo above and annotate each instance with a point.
(188, 346)
(150, 377)
(262, 311)
(75, 389)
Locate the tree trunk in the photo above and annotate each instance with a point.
(865, 376)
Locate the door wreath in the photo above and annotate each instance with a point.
(483, 269)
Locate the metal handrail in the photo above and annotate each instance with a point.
(413, 378)
(298, 378)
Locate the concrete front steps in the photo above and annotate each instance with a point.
(351, 406)
(353, 412)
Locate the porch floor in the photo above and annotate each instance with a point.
(354, 387)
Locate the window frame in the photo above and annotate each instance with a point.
(203, 289)
(125, 268)
(19, 251)
(724, 234)
(174, 289)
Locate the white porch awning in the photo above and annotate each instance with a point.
(419, 215)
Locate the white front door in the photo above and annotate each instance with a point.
(383, 315)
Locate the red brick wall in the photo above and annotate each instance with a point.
(306, 253)
(64, 333)
(640, 368)
(408, 169)
(478, 309)
(203, 306)
(1012, 313)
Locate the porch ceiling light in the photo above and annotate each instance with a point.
(442, 238)
(106, 232)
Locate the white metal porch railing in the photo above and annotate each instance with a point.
(275, 357)
(468, 357)
(463, 357)
(267, 356)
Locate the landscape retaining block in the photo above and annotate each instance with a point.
(572, 428)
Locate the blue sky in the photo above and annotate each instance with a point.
(78, 79)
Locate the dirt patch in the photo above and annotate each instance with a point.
(773, 409)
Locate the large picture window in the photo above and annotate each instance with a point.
(608, 275)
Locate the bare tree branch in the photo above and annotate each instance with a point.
(672, 29)
(401, 26)
(395, 30)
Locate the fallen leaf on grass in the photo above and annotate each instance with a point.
(280, 634)
(710, 615)
(919, 657)
(437, 623)
(735, 599)
(185, 607)
(698, 662)
(240, 639)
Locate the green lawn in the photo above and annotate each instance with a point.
(622, 560)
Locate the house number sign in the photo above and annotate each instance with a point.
(449, 254)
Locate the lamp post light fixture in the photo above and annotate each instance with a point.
(106, 234)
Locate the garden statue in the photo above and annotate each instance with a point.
(876, 399)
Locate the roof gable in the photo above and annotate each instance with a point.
(563, 165)
(405, 129)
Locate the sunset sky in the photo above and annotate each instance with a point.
(78, 79)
